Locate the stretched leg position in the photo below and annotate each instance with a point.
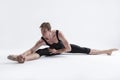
(24, 57)
(28, 55)
(78, 49)
(33, 56)
(108, 52)
(53, 36)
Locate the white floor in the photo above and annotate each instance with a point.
(63, 67)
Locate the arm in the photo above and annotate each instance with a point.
(65, 43)
(33, 49)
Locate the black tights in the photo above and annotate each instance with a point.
(74, 49)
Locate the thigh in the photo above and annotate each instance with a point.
(78, 49)
(44, 52)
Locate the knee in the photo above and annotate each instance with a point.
(92, 53)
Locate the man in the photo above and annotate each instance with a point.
(57, 44)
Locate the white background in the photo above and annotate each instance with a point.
(89, 23)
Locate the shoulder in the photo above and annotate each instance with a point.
(53, 31)
(60, 33)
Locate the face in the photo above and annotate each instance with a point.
(45, 32)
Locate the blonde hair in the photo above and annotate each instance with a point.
(46, 25)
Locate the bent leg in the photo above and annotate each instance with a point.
(96, 52)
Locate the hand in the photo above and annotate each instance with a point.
(53, 51)
(20, 59)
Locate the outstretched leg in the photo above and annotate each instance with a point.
(22, 59)
(26, 56)
(14, 57)
(108, 52)
(33, 56)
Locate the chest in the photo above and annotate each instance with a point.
(52, 40)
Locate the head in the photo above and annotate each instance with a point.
(45, 28)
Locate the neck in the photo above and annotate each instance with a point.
(50, 35)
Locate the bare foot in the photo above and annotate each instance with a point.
(12, 57)
(111, 50)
